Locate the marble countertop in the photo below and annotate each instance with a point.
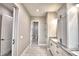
(72, 53)
(54, 40)
(76, 52)
(67, 50)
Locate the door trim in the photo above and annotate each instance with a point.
(15, 30)
(38, 31)
(0, 31)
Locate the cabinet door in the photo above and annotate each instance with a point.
(64, 53)
(59, 51)
(53, 48)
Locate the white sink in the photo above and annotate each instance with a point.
(55, 40)
(76, 52)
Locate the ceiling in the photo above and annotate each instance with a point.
(42, 7)
(8, 5)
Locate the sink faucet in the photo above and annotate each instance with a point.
(60, 40)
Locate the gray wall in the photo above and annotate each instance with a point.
(62, 24)
(72, 26)
(4, 10)
(68, 26)
(23, 29)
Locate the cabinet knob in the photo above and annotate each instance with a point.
(51, 44)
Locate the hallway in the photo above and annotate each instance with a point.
(39, 29)
(36, 51)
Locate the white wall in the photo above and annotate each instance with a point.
(42, 30)
(23, 28)
(52, 24)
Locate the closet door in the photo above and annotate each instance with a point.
(6, 35)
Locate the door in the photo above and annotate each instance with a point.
(0, 32)
(6, 35)
(35, 33)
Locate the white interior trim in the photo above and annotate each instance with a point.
(15, 31)
(23, 53)
(6, 15)
(42, 44)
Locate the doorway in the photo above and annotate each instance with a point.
(34, 33)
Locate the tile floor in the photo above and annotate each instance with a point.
(36, 51)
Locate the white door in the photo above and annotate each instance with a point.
(6, 35)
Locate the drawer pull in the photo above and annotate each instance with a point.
(57, 52)
(51, 44)
(57, 46)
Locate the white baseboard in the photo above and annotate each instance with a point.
(42, 45)
(25, 50)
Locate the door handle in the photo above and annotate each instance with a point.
(2, 39)
(13, 41)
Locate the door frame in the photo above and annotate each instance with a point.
(32, 32)
(0, 32)
(15, 30)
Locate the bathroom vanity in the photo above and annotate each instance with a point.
(57, 49)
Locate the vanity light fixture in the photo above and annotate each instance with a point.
(77, 5)
(21, 37)
(37, 10)
(54, 22)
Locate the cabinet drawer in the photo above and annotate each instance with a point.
(53, 48)
(59, 51)
(64, 53)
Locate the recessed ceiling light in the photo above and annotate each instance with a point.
(77, 5)
(37, 10)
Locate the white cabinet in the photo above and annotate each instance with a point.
(53, 48)
(56, 50)
(59, 51)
